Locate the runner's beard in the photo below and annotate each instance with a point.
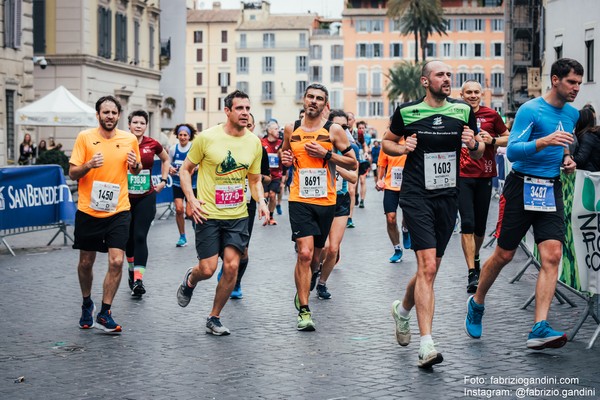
(106, 128)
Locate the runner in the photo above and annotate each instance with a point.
(434, 128)
(309, 145)
(375, 151)
(537, 147)
(390, 180)
(227, 154)
(272, 145)
(331, 252)
(100, 161)
(364, 164)
(185, 133)
(475, 181)
(142, 197)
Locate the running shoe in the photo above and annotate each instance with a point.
(138, 288)
(406, 242)
(272, 221)
(322, 292)
(106, 323)
(350, 224)
(237, 292)
(402, 325)
(397, 257)
(215, 327)
(313, 279)
(361, 204)
(182, 242)
(473, 325)
(184, 292)
(278, 208)
(305, 322)
(472, 281)
(542, 336)
(87, 316)
(429, 356)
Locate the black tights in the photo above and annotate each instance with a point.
(143, 210)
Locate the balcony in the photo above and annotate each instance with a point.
(361, 91)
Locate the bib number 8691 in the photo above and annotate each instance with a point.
(312, 180)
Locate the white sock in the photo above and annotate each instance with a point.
(426, 339)
(402, 311)
(398, 247)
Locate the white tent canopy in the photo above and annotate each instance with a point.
(58, 108)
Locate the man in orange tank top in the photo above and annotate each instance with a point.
(310, 145)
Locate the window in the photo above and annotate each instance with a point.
(198, 78)
(242, 65)
(136, 43)
(267, 91)
(497, 25)
(10, 124)
(376, 108)
(463, 49)
(449, 24)
(268, 40)
(463, 24)
(361, 50)
(337, 52)
(335, 99)
(497, 49)
(151, 43)
(121, 37)
(268, 65)
(223, 36)
(300, 89)
(199, 103)
(362, 108)
(461, 77)
(337, 74)
(396, 50)
(431, 50)
(242, 40)
(301, 64)
(363, 25)
(394, 25)
(223, 55)
(199, 55)
(377, 25)
(478, 50)
(589, 54)
(243, 86)
(316, 52)
(478, 76)
(447, 51)
(302, 40)
(362, 84)
(558, 46)
(199, 127)
(497, 106)
(497, 80)
(39, 26)
(220, 104)
(377, 50)
(197, 36)
(104, 32)
(316, 73)
(479, 25)
(268, 114)
(224, 80)
(376, 83)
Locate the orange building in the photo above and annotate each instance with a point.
(473, 47)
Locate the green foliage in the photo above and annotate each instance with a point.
(54, 156)
(405, 81)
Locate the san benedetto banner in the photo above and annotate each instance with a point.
(581, 257)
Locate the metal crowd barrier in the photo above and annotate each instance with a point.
(60, 226)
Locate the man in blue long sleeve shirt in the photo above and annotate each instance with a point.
(537, 147)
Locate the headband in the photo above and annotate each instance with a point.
(184, 128)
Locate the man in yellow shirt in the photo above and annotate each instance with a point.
(226, 154)
(100, 161)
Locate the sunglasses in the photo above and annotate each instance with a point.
(346, 127)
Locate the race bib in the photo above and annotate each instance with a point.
(313, 182)
(538, 194)
(140, 183)
(440, 170)
(397, 177)
(247, 193)
(229, 196)
(339, 182)
(273, 160)
(105, 196)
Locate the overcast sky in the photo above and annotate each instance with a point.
(325, 8)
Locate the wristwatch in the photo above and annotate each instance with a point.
(164, 180)
(493, 141)
(474, 147)
(328, 155)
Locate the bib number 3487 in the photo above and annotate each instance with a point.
(538, 194)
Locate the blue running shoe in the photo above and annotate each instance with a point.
(350, 224)
(87, 316)
(237, 292)
(406, 240)
(475, 312)
(278, 208)
(182, 242)
(397, 257)
(542, 336)
(106, 323)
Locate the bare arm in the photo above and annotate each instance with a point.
(391, 146)
(79, 171)
(165, 164)
(185, 177)
(256, 188)
(350, 176)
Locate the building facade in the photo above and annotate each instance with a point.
(570, 33)
(16, 74)
(100, 47)
(473, 47)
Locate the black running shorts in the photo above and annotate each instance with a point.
(311, 220)
(101, 234)
(214, 235)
